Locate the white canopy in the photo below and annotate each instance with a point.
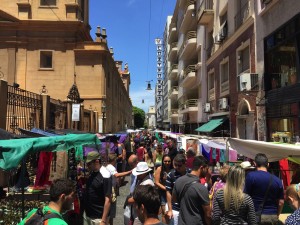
(130, 131)
(273, 151)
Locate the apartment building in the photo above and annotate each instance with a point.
(166, 82)
(278, 47)
(49, 43)
(237, 69)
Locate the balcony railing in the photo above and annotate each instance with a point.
(173, 67)
(189, 103)
(173, 48)
(189, 69)
(206, 7)
(172, 25)
(189, 2)
(242, 15)
(189, 35)
(172, 32)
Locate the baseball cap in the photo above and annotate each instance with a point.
(92, 156)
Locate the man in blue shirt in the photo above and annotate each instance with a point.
(256, 185)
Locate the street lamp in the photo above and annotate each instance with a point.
(103, 110)
(132, 117)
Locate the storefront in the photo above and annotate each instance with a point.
(282, 50)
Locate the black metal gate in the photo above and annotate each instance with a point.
(58, 114)
(24, 110)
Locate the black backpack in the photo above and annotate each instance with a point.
(38, 218)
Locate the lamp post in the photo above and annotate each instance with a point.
(132, 116)
(103, 110)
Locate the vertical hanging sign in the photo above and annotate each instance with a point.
(75, 112)
(159, 83)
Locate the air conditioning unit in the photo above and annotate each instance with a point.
(248, 81)
(207, 107)
(223, 103)
(217, 39)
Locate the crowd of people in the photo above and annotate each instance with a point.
(173, 186)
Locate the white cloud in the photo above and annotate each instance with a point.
(138, 95)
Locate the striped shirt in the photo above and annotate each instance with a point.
(245, 214)
(171, 178)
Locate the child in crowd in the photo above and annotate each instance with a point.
(293, 198)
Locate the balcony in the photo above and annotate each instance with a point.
(241, 16)
(173, 92)
(189, 17)
(173, 35)
(190, 105)
(173, 51)
(173, 113)
(189, 76)
(173, 74)
(205, 12)
(188, 47)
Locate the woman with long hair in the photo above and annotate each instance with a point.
(160, 181)
(158, 155)
(231, 205)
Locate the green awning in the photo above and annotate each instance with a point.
(14, 150)
(211, 125)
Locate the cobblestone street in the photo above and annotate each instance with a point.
(124, 191)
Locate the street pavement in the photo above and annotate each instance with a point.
(124, 191)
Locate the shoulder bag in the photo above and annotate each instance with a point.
(261, 206)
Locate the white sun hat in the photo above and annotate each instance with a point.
(246, 165)
(141, 168)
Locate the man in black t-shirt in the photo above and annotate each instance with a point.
(97, 197)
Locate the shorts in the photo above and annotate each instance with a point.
(113, 210)
(163, 197)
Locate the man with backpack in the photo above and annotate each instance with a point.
(192, 196)
(62, 194)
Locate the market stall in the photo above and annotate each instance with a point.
(15, 152)
(274, 151)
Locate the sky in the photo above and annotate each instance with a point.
(131, 27)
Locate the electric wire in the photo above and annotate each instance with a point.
(160, 18)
